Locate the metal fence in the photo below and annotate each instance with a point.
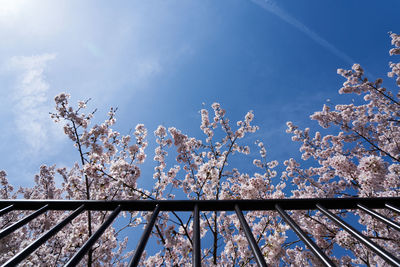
(280, 205)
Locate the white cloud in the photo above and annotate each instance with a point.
(31, 103)
(282, 14)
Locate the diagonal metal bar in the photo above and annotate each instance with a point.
(145, 236)
(196, 254)
(6, 209)
(392, 207)
(304, 237)
(32, 247)
(90, 242)
(360, 237)
(380, 217)
(23, 221)
(250, 238)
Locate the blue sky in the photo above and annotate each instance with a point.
(158, 61)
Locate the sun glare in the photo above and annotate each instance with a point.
(10, 8)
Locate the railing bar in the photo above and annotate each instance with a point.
(204, 205)
(6, 209)
(196, 237)
(353, 232)
(250, 238)
(212, 205)
(32, 247)
(145, 236)
(23, 221)
(393, 208)
(304, 237)
(380, 217)
(90, 242)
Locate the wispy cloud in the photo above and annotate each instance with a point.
(30, 101)
(147, 68)
(282, 14)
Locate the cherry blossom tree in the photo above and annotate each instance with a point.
(361, 159)
(108, 168)
(207, 175)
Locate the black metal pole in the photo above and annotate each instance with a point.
(23, 221)
(250, 238)
(90, 242)
(145, 236)
(380, 217)
(393, 208)
(32, 247)
(204, 205)
(6, 209)
(303, 236)
(196, 237)
(366, 241)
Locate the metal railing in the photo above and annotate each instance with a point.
(280, 205)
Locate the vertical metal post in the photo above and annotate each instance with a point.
(303, 236)
(250, 238)
(366, 241)
(90, 242)
(196, 254)
(145, 236)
